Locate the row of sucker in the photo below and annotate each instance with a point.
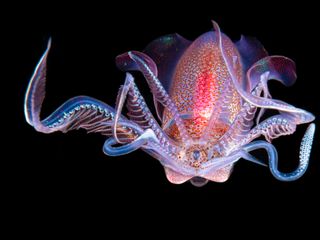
(162, 96)
(239, 128)
(140, 114)
(92, 118)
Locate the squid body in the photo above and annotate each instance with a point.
(209, 96)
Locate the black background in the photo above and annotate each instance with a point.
(68, 178)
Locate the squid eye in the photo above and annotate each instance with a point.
(196, 154)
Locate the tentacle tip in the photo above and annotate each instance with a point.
(28, 120)
(131, 55)
(311, 119)
(129, 77)
(311, 129)
(49, 43)
(215, 26)
(35, 92)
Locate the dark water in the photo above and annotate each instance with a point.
(51, 176)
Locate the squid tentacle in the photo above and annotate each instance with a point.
(302, 116)
(78, 112)
(143, 139)
(119, 104)
(94, 116)
(266, 94)
(305, 149)
(214, 164)
(147, 141)
(241, 91)
(142, 63)
(220, 110)
(239, 128)
(140, 113)
(271, 128)
(35, 94)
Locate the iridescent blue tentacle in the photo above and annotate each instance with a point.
(215, 164)
(79, 112)
(305, 149)
(143, 139)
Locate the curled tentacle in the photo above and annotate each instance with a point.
(119, 104)
(266, 94)
(79, 112)
(239, 128)
(214, 164)
(305, 149)
(271, 128)
(302, 116)
(220, 111)
(209, 89)
(166, 52)
(227, 95)
(143, 139)
(35, 94)
(141, 114)
(96, 116)
(140, 61)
